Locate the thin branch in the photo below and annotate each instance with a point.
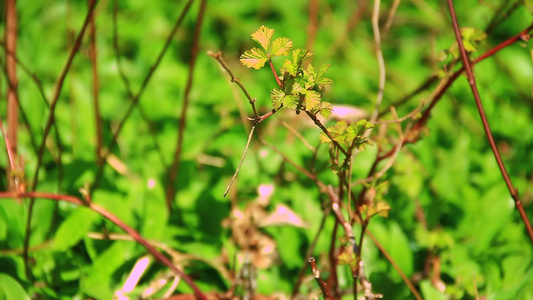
(242, 160)
(298, 135)
(379, 56)
(312, 26)
(126, 81)
(224, 65)
(321, 283)
(321, 126)
(390, 17)
(111, 217)
(278, 81)
(310, 250)
(472, 82)
(395, 266)
(11, 70)
(171, 191)
(137, 97)
(47, 128)
(93, 55)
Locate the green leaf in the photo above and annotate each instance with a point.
(281, 47)
(263, 36)
(10, 289)
(279, 98)
(254, 58)
(312, 100)
(74, 228)
(325, 109)
(290, 68)
(300, 55)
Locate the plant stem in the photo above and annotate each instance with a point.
(486, 127)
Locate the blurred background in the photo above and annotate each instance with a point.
(452, 229)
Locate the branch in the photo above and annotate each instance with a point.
(137, 97)
(111, 217)
(224, 65)
(321, 283)
(49, 122)
(379, 56)
(242, 160)
(473, 86)
(321, 126)
(171, 191)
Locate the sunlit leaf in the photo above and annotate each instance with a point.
(263, 36)
(280, 98)
(312, 100)
(281, 47)
(254, 58)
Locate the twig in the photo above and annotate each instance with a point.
(312, 26)
(242, 160)
(49, 122)
(395, 266)
(321, 283)
(218, 57)
(11, 70)
(93, 55)
(310, 250)
(126, 81)
(298, 135)
(321, 126)
(379, 56)
(137, 97)
(111, 217)
(278, 81)
(390, 17)
(472, 82)
(171, 191)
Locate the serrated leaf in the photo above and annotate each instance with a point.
(263, 36)
(312, 100)
(279, 98)
(290, 68)
(281, 47)
(325, 109)
(254, 58)
(298, 88)
(300, 55)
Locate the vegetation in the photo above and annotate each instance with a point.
(342, 151)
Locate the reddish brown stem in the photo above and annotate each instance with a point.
(96, 87)
(11, 70)
(321, 283)
(171, 190)
(48, 126)
(137, 97)
(275, 73)
(111, 217)
(486, 127)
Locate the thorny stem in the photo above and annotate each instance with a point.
(111, 217)
(49, 122)
(486, 127)
(171, 191)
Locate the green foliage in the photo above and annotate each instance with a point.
(300, 88)
(443, 195)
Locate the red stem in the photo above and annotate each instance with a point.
(275, 74)
(111, 217)
(486, 127)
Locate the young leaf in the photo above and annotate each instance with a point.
(281, 47)
(280, 98)
(325, 109)
(312, 100)
(290, 68)
(254, 58)
(263, 36)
